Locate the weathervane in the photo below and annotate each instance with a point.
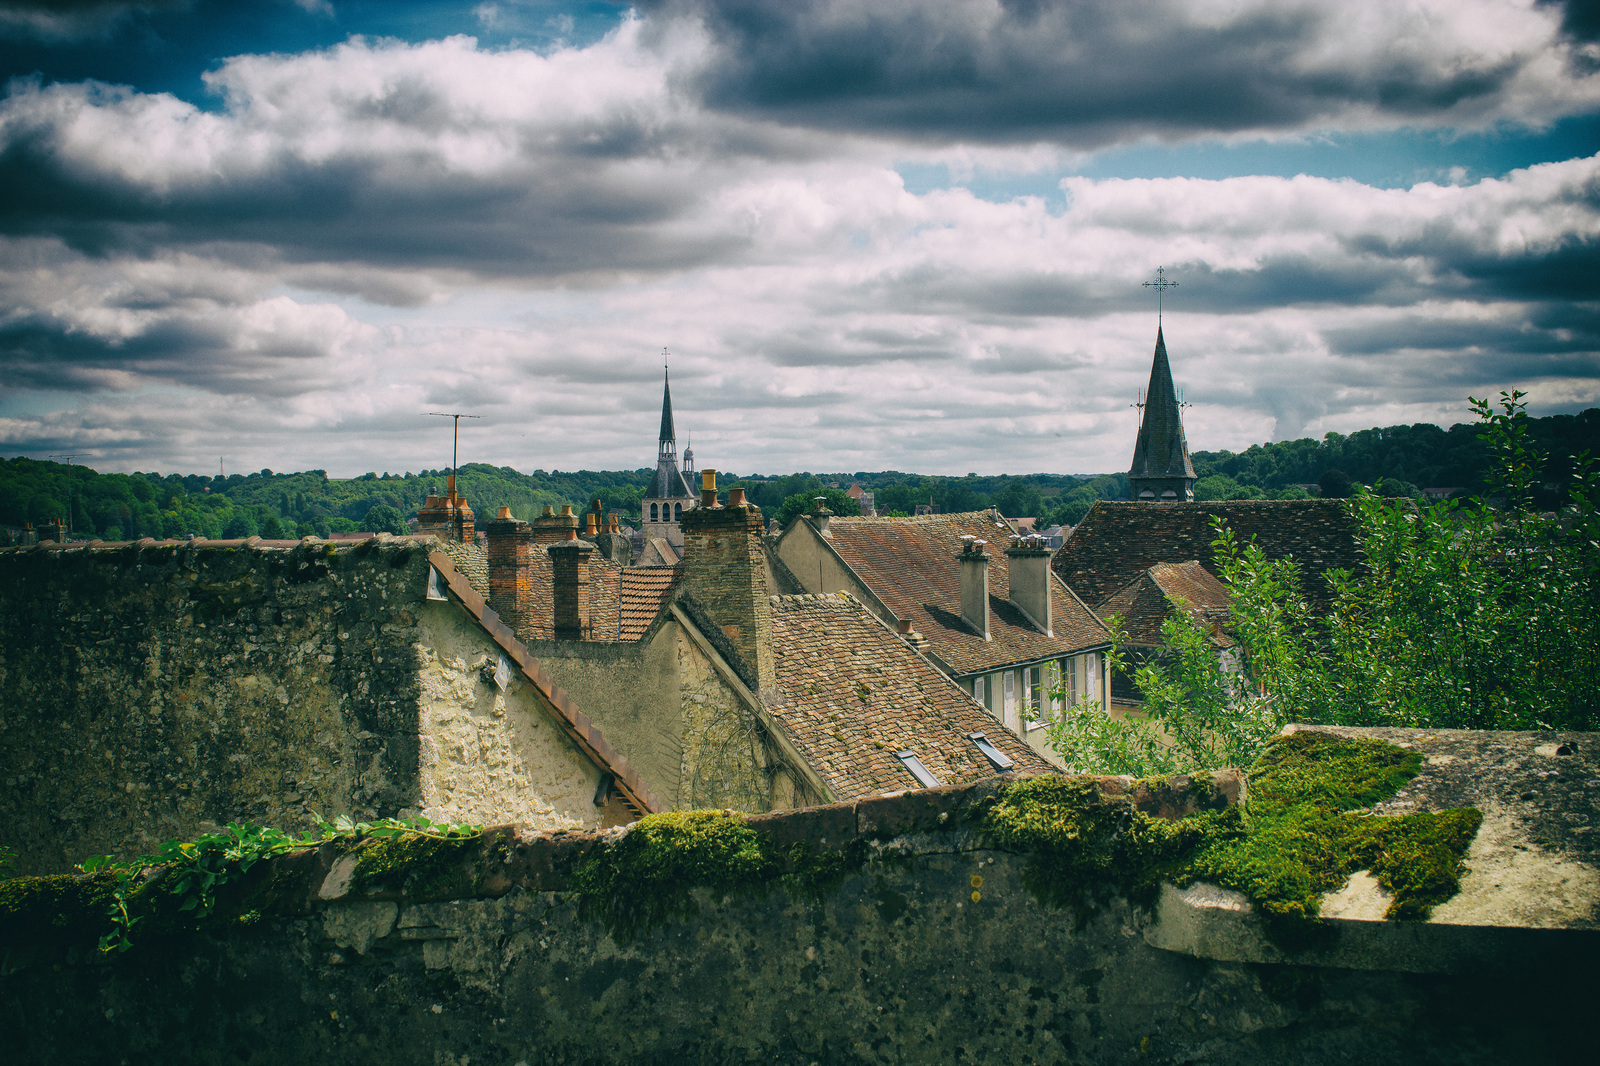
(1161, 285)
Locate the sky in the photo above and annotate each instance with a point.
(905, 235)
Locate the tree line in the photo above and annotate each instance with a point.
(1397, 461)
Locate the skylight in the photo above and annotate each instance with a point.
(998, 758)
(914, 766)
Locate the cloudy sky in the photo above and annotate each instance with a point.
(906, 234)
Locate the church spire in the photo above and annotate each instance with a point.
(1162, 470)
(667, 432)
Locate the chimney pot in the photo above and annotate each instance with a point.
(569, 534)
(548, 510)
(566, 509)
(708, 488)
(505, 513)
(903, 626)
(736, 497)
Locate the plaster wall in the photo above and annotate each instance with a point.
(805, 553)
(631, 692)
(487, 755)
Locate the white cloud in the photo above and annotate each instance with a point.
(366, 233)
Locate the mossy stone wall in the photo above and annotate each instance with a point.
(152, 691)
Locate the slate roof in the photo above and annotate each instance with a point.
(1146, 601)
(1161, 451)
(910, 564)
(853, 694)
(1117, 540)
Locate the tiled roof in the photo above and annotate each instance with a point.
(854, 694)
(1146, 601)
(645, 592)
(910, 564)
(1117, 540)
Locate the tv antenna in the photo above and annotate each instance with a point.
(68, 458)
(455, 437)
(1161, 285)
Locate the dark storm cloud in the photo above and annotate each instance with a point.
(40, 351)
(56, 19)
(558, 215)
(1084, 75)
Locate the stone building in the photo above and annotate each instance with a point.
(994, 620)
(1162, 471)
(156, 690)
(723, 694)
(1116, 541)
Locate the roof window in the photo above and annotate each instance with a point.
(999, 759)
(914, 767)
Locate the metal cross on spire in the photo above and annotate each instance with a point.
(1161, 285)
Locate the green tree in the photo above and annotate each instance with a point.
(1463, 616)
(801, 502)
(384, 518)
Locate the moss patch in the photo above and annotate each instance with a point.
(38, 908)
(1304, 835)
(423, 867)
(1083, 849)
(1300, 836)
(650, 875)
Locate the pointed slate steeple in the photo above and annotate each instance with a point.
(1162, 470)
(667, 432)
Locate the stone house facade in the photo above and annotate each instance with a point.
(156, 690)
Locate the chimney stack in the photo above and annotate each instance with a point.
(569, 580)
(1029, 564)
(725, 570)
(975, 585)
(510, 571)
(820, 515)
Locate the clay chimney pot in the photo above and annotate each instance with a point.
(736, 497)
(570, 534)
(504, 514)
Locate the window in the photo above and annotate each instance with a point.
(997, 758)
(914, 767)
(1010, 715)
(677, 512)
(1036, 691)
(653, 512)
(978, 690)
(1071, 668)
(1091, 676)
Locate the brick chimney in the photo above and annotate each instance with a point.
(552, 528)
(1029, 563)
(510, 574)
(975, 585)
(569, 580)
(723, 568)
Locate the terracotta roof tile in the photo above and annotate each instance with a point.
(854, 694)
(910, 564)
(1146, 601)
(1116, 540)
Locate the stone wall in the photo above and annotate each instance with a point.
(488, 754)
(151, 692)
(936, 951)
(156, 691)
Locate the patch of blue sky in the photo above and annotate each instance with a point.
(169, 50)
(1392, 159)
